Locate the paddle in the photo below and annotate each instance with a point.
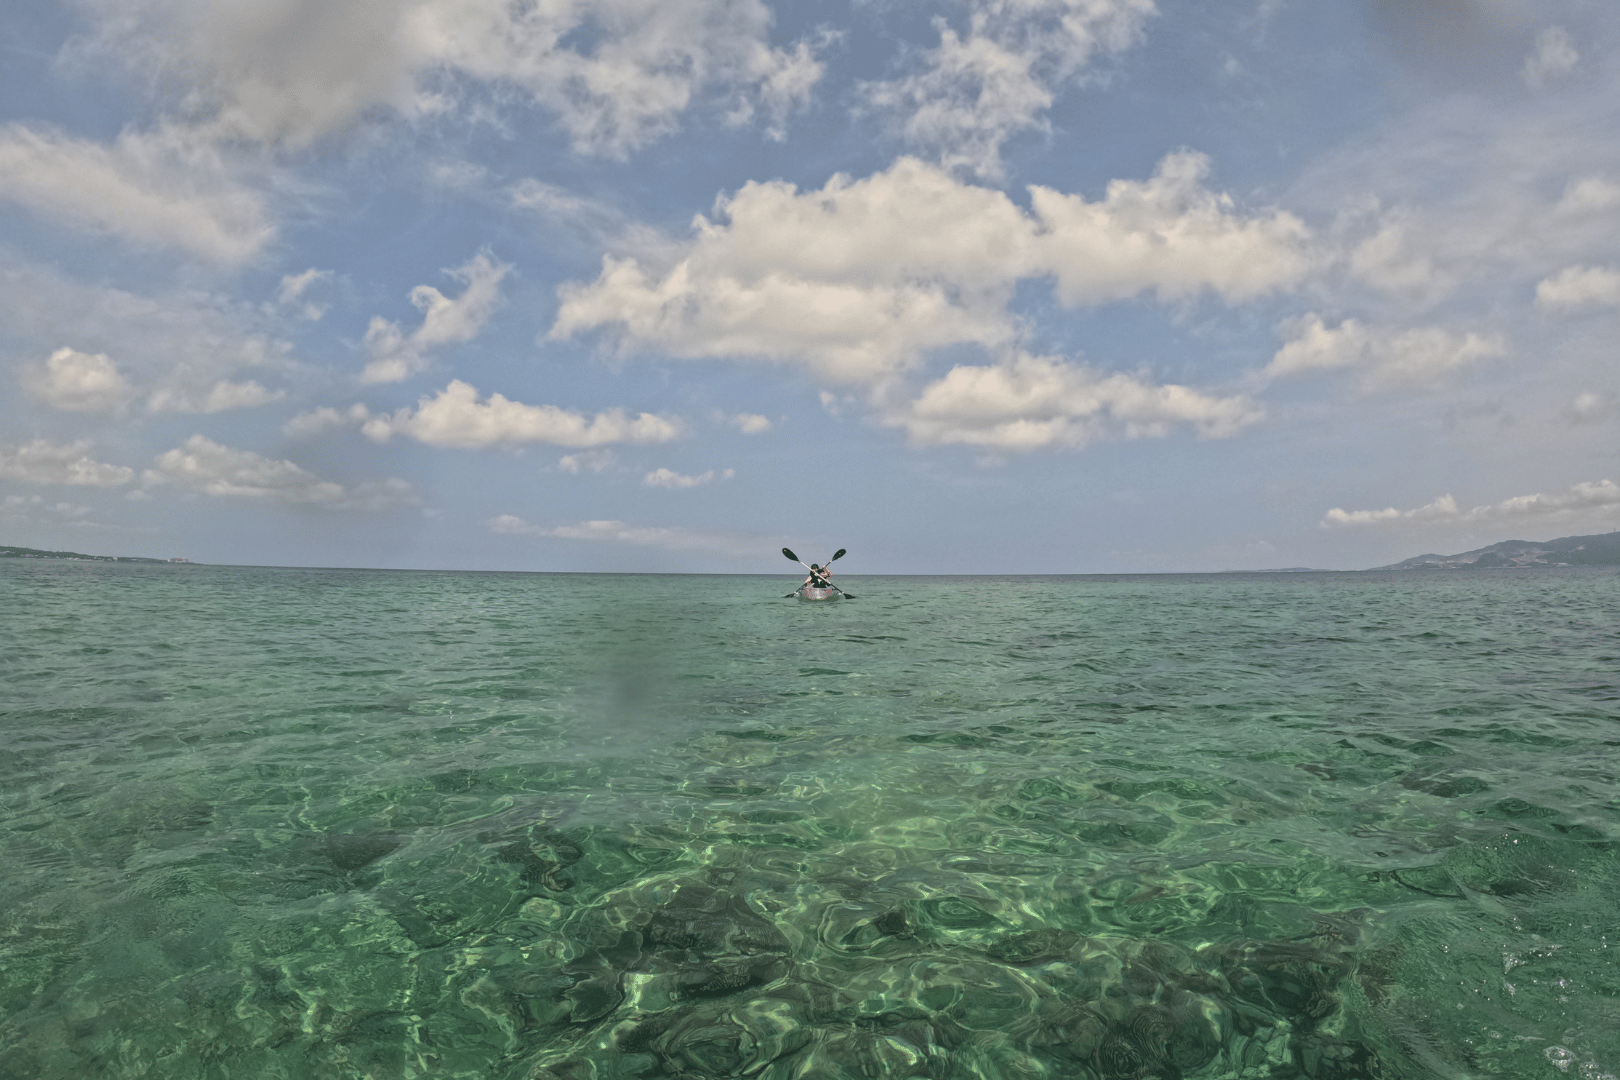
(839, 555)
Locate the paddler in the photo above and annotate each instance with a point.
(820, 577)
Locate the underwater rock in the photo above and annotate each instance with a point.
(892, 923)
(592, 999)
(955, 913)
(713, 975)
(541, 852)
(717, 1039)
(729, 977)
(351, 851)
(1432, 880)
(1285, 981)
(1324, 1057)
(1516, 864)
(908, 1049)
(709, 921)
(1443, 786)
(1034, 946)
(427, 921)
(1123, 1037)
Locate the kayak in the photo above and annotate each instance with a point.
(810, 592)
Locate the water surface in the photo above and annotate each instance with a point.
(333, 823)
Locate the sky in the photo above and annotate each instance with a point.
(973, 286)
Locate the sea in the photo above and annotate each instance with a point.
(307, 823)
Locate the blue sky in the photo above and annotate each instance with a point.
(988, 286)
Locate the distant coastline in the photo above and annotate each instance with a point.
(75, 556)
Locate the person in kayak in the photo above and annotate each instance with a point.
(820, 577)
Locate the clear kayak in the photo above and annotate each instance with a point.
(810, 592)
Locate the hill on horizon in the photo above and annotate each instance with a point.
(1602, 549)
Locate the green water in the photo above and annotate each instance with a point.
(315, 823)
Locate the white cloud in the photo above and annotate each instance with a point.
(457, 418)
(179, 351)
(164, 188)
(396, 355)
(615, 73)
(846, 332)
(618, 73)
(19, 507)
(549, 200)
(91, 382)
(46, 462)
(1169, 235)
(325, 418)
(751, 423)
(1399, 258)
(1589, 195)
(1577, 288)
(222, 395)
(1554, 55)
(669, 478)
(273, 71)
(664, 536)
(587, 460)
(1590, 408)
(293, 287)
(782, 80)
(1037, 403)
(857, 281)
(1451, 201)
(78, 382)
(1382, 358)
(601, 222)
(1602, 496)
(204, 465)
(977, 89)
(1443, 508)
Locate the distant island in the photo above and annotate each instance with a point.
(37, 553)
(1600, 550)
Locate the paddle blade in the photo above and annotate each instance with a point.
(838, 556)
(789, 553)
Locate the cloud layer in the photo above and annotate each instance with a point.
(45, 462)
(456, 417)
(858, 280)
(207, 467)
(395, 355)
(1040, 403)
(1590, 497)
(1380, 357)
(73, 381)
(163, 188)
(615, 73)
(996, 77)
(1579, 288)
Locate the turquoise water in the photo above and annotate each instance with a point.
(328, 823)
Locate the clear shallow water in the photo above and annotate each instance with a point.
(325, 823)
